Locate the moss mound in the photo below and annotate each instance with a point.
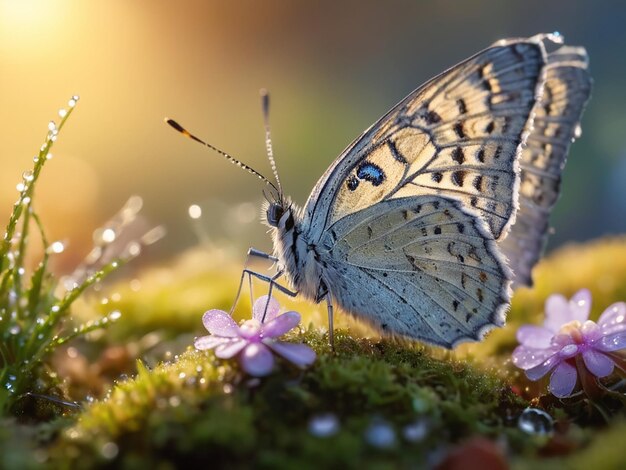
(373, 403)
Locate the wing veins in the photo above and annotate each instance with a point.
(451, 190)
(423, 317)
(390, 289)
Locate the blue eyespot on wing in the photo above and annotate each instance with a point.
(458, 136)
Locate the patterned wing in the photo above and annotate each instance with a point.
(457, 136)
(557, 114)
(422, 267)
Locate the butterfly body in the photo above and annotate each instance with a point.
(406, 229)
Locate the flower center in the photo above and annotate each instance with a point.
(573, 330)
(250, 329)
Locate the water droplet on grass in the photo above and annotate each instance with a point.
(56, 247)
(115, 315)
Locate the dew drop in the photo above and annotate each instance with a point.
(62, 113)
(578, 131)
(56, 247)
(108, 235)
(536, 421)
(415, 432)
(115, 315)
(52, 126)
(15, 330)
(323, 425)
(28, 175)
(380, 434)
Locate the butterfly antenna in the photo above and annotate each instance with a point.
(265, 103)
(228, 157)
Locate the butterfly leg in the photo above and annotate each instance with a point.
(252, 253)
(331, 335)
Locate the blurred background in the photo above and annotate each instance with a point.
(332, 67)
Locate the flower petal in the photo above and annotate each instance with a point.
(300, 354)
(220, 323)
(257, 360)
(563, 380)
(527, 358)
(557, 312)
(568, 351)
(231, 348)
(613, 342)
(209, 342)
(542, 369)
(613, 319)
(259, 309)
(534, 336)
(280, 325)
(580, 305)
(597, 363)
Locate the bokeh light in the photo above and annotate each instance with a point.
(332, 67)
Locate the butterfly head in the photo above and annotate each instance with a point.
(275, 211)
(279, 213)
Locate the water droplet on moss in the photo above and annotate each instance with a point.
(415, 432)
(380, 434)
(324, 425)
(536, 421)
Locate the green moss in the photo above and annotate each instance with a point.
(198, 409)
(202, 409)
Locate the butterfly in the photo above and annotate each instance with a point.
(425, 222)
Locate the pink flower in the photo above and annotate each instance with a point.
(255, 340)
(567, 336)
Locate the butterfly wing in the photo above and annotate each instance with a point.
(457, 136)
(557, 114)
(422, 267)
